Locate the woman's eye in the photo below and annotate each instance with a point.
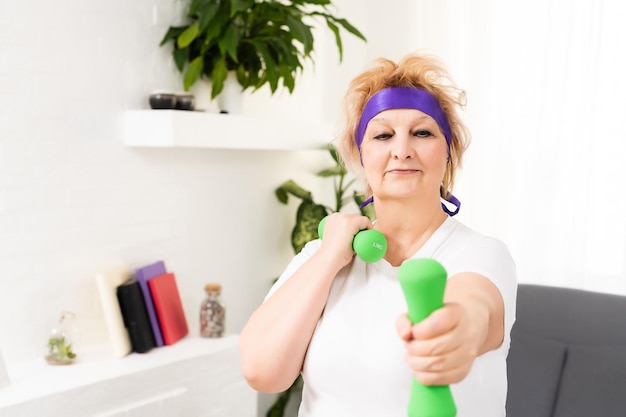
(382, 136)
(423, 133)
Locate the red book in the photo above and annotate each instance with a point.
(168, 307)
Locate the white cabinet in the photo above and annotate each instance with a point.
(194, 377)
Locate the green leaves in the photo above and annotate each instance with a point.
(307, 219)
(206, 15)
(290, 187)
(172, 33)
(311, 213)
(230, 42)
(60, 349)
(278, 408)
(331, 172)
(188, 35)
(240, 6)
(218, 76)
(335, 29)
(265, 41)
(271, 74)
(308, 216)
(301, 32)
(180, 58)
(193, 72)
(334, 25)
(197, 6)
(348, 26)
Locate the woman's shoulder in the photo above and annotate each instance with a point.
(464, 247)
(305, 253)
(461, 234)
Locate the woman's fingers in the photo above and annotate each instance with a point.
(440, 349)
(445, 377)
(404, 327)
(440, 322)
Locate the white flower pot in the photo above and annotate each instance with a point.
(201, 91)
(230, 100)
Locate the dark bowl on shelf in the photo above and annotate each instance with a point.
(163, 101)
(185, 101)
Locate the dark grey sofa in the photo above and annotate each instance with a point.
(568, 354)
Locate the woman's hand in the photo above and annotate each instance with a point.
(339, 232)
(441, 349)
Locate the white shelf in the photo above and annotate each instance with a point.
(36, 379)
(196, 129)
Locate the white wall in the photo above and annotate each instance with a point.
(545, 83)
(73, 199)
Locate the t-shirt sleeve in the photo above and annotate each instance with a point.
(296, 262)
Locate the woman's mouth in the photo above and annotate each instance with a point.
(402, 171)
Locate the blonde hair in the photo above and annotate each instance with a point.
(419, 71)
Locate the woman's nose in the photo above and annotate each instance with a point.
(402, 147)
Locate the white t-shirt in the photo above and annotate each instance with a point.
(355, 364)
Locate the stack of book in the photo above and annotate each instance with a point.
(142, 309)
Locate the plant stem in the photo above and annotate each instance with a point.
(339, 191)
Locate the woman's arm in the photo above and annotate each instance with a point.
(274, 342)
(442, 348)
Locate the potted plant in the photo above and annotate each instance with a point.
(308, 216)
(261, 41)
(309, 212)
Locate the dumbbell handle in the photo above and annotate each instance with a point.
(370, 245)
(423, 282)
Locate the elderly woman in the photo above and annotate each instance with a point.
(341, 322)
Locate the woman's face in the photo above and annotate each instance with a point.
(404, 154)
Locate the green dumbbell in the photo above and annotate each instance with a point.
(369, 245)
(423, 282)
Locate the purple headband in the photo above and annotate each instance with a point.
(406, 98)
(403, 98)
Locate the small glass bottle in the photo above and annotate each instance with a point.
(212, 312)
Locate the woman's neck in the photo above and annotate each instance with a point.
(407, 228)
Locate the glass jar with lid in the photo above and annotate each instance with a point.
(212, 312)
